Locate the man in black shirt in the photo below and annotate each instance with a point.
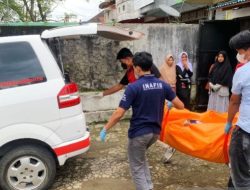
(125, 56)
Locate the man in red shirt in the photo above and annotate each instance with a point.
(125, 56)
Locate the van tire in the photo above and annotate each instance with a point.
(34, 155)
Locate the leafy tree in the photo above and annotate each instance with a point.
(26, 10)
(9, 10)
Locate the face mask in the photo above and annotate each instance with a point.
(241, 58)
(124, 66)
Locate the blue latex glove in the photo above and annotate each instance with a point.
(170, 105)
(228, 127)
(103, 134)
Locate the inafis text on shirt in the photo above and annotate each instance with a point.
(152, 86)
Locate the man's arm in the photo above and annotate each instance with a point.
(177, 103)
(116, 116)
(113, 89)
(234, 105)
(124, 105)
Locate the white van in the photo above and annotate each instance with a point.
(42, 122)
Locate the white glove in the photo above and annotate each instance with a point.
(216, 87)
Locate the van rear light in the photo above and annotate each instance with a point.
(68, 96)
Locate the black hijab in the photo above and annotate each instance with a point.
(222, 73)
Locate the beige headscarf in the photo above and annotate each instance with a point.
(168, 73)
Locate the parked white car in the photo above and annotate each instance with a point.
(42, 122)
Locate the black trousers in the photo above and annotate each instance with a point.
(184, 95)
(239, 154)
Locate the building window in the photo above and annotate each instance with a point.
(123, 7)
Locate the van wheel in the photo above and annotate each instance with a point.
(27, 167)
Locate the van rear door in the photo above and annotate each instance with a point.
(110, 32)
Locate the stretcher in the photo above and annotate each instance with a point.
(200, 135)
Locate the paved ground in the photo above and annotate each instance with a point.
(105, 167)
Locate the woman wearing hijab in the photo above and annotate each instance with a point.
(184, 72)
(168, 74)
(220, 81)
(168, 71)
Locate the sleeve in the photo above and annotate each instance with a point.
(189, 72)
(155, 71)
(179, 72)
(211, 68)
(182, 74)
(170, 94)
(124, 80)
(237, 84)
(127, 98)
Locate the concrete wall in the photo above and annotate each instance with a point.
(91, 61)
(94, 101)
(98, 108)
(161, 39)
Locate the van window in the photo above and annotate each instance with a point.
(19, 65)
